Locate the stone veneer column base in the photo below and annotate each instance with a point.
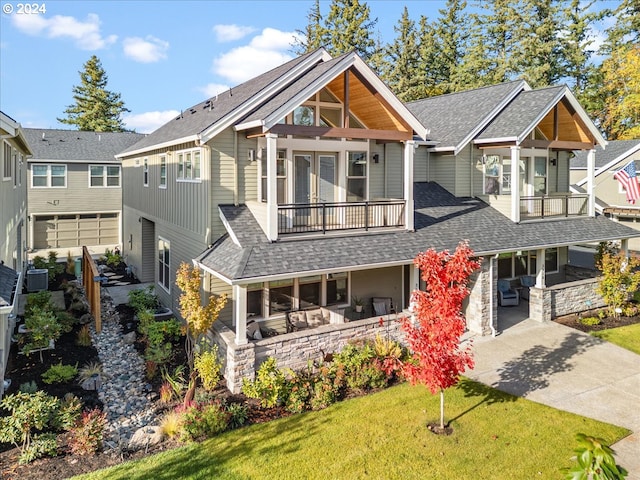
(540, 304)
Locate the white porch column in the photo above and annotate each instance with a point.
(272, 193)
(240, 313)
(591, 167)
(624, 247)
(540, 273)
(409, 149)
(515, 184)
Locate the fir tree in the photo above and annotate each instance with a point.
(400, 65)
(314, 35)
(349, 27)
(96, 108)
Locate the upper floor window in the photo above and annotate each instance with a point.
(357, 177)
(7, 162)
(281, 176)
(104, 175)
(145, 172)
(189, 165)
(163, 171)
(540, 175)
(53, 176)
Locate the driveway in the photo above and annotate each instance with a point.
(568, 370)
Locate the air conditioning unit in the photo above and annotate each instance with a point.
(37, 280)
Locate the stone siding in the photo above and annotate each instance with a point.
(575, 297)
(478, 312)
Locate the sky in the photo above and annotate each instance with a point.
(162, 56)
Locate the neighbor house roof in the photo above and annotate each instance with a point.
(73, 145)
(271, 94)
(616, 151)
(441, 221)
(457, 118)
(8, 279)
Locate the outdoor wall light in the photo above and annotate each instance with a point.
(376, 158)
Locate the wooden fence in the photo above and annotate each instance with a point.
(92, 282)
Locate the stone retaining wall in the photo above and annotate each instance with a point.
(548, 303)
(294, 350)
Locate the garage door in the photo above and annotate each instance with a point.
(59, 231)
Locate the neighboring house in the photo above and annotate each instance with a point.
(13, 237)
(611, 196)
(75, 188)
(313, 184)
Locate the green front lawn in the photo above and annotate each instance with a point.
(626, 337)
(384, 435)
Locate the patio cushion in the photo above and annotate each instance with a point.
(315, 317)
(253, 331)
(298, 320)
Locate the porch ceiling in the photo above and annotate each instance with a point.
(368, 105)
(566, 122)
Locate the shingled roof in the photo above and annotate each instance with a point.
(441, 221)
(616, 151)
(73, 145)
(455, 119)
(8, 279)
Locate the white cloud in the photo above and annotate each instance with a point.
(213, 89)
(149, 121)
(86, 33)
(264, 52)
(229, 33)
(145, 50)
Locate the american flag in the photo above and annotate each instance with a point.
(627, 177)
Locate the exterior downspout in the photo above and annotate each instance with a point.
(493, 329)
(472, 166)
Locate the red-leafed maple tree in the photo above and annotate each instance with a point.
(434, 335)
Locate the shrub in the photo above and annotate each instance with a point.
(159, 337)
(150, 369)
(113, 258)
(37, 302)
(238, 414)
(42, 327)
(299, 391)
(86, 436)
(143, 299)
(590, 321)
(28, 387)
(84, 336)
(630, 310)
(177, 380)
(171, 424)
(327, 387)
(270, 386)
(360, 368)
(71, 264)
(66, 321)
(203, 421)
(42, 445)
(89, 370)
(68, 413)
(166, 393)
(390, 356)
(595, 461)
(29, 414)
(59, 373)
(208, 367)
(50, 264)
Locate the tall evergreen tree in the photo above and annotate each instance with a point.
(451, 32)
(314, 35)
(400, 65)
(432, 79)
(349, 27)
(576, 42)
(96, 108)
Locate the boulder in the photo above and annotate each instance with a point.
(92, 383)
(85, 319)
(129, 338)
(146, 437)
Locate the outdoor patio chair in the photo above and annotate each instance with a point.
(506, 294)
(526, 281)
(382, 305)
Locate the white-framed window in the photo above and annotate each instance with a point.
(356, 176)
(516, 264)
(164, 263)
(492, 178)
(163, 172)
(7, 161)
(145, 172)
(48, 176)
(104, 176)
(281, 176)
(189, 165)
(540, 176)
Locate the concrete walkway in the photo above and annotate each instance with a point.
(568, 370)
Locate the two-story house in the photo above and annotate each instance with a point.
(13, 237)
(611, 197)
(312, 184)
(74, 185)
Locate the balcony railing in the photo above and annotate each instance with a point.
(554, 206)
(328, 217)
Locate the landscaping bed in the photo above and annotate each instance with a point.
(607, 322)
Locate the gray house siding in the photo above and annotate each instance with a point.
(13, 210)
